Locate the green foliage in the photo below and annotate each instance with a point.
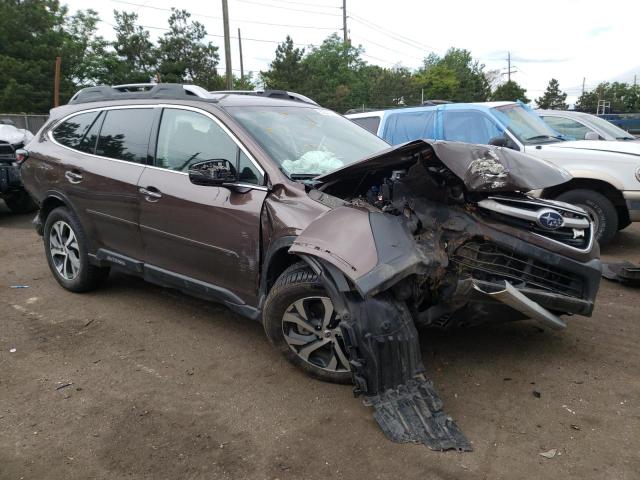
(137, 55)
(510, 91)
(553, 98)
(184, 56)
(31, 36)
(463, 77)
(285, 71)
(623, 98)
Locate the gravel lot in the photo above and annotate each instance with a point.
(162, 385)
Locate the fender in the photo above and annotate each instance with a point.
(372, 249)
(600, 175)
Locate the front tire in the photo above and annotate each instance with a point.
(599, 207)
(300, 321)
(66, 248)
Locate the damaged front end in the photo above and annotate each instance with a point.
(442, 234)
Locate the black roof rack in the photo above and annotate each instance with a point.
(161, 90)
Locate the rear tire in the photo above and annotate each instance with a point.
(599, 207)
(20, 202)
(66, 248)
(299, 320)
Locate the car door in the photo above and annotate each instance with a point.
(105, 152)
(205, 237)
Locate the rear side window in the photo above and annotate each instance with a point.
(125, 134)
(403, 127)
(368, 123)
(72, 132)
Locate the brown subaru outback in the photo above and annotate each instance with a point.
(291, 215)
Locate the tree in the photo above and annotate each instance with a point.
(285, 71)
(89, 60)
(137, 55)
(31, 36)
(464, 78)
(185, 57)
(510, 91)
(553, 98)
(331, 74)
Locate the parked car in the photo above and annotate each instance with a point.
(16, 198)
(583, 126)
(629, 122)
(606, 174)
(291, 215)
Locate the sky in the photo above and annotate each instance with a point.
(565, 39)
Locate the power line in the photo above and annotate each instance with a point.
(396, 36)
(213, 17)
(390, 49)
(305, 4)
(290, 8)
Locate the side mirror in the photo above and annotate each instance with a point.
(498, 141)
(215, 173)
(591, 136)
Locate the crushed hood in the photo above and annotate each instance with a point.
(480, 167)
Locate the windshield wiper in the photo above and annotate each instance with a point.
(543, 137)
(302, 176)
(625, 138)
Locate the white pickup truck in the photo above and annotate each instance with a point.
(606, 174)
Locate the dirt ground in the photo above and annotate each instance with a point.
(161, 385)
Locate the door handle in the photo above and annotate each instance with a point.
(151, 193)
(73, 177)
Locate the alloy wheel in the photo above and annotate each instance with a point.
(310, 328)
(64, 250)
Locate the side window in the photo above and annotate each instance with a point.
(88, 142)
(368, 123)
(71, 132)
(567, 127)
(125, 134)
(468, 126)
(248, 173)
(403, 127)
(187, 137)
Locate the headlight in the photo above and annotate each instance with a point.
(638, 174)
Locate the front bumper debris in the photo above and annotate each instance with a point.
(413, 413)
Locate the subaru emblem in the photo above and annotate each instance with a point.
(550, 219)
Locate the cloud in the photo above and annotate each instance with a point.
(502, 55)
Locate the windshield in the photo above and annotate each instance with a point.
(527, 127)
(610, 129)
(306, 141)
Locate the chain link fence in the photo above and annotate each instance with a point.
(26, 121)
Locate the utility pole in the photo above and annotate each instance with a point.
(227, 44)
(509, 71)
(56, 83)
(583, 80)
(344, 21)
(241, 64)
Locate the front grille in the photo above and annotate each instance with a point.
(489, 262)
(523, 213)
(6, 151)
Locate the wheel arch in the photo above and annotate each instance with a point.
(276, 260)
(51, 201)
(613, 194)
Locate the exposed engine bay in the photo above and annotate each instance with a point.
(457, 242)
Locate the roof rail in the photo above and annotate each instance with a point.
(283, 94)
(139, 91)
